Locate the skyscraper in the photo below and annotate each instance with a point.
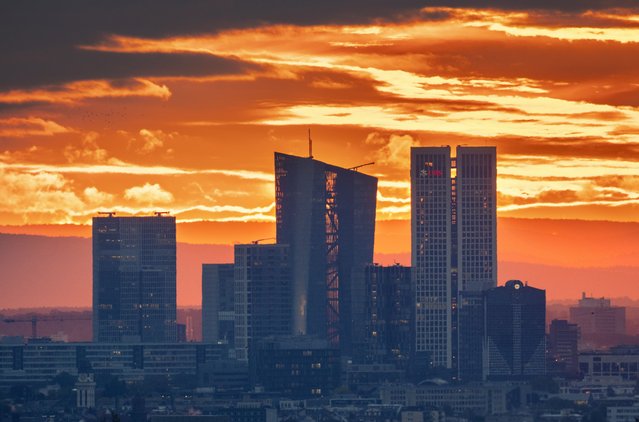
(134, 279)
(515, 321)
(262, 294)
(387, 321)
(453, 250)
(327, 216)
(218, 298)
(563, 351)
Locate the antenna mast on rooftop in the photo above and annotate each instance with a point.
(310, 144)
(356, 168)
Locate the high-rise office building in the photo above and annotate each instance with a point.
(601, 323)
(563, 351)
(262, 294)
(453, 250)
(134, 279)
(515, 338)
(387, 321)
(327, 216)
(218, 303)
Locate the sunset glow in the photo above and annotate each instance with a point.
(187, 120)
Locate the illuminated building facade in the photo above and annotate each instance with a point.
(453, 251)
(134, 279)
(327, 216)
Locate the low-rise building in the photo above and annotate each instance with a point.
(481, 399)
(621, 361)
(40, 362)
(623, 413)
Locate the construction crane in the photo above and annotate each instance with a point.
(256, 242)
(34, 322)
(356, 168)
(161, 213)
(107, 213)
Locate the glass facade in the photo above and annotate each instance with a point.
(134, 281)
(515, 321)
(454, 251)
(262, 294)
(327, 215)
(388, 315)
(218, 303)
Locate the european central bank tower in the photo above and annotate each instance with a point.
(453, 253)
(326, 214)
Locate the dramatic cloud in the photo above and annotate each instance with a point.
(39, 197)
(95, 197)
(395, 151)
(152, 140)
(77, 91)
(185, 106)
(17, 127)
(87, 152)
(149, 194)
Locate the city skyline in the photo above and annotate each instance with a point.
(363, 210)
(168, 116)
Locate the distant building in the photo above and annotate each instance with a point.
(563, 351)
(515, 338)
(218, 302)
(601, 324)
(134, 279)
(622, 413)
(224, 375)
(85, 391)
(367, 377)
(296, 366)
(454, 251)
(38, 363)
(387, 321)
(262, 294)
(326, 214)
(620, 361)
(482, 399)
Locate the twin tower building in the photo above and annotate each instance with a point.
(309, 281)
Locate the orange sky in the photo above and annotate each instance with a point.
(182, 111)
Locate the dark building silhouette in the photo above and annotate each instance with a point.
(327, 216)
(38, 363)
(262, 294)
(563, 352)
(386, 324)
(218, 301)
(296, 366)
(453, 252)
(181, 333)
(515, 337)
(600, 323)
(134, 279)
(470, 335)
